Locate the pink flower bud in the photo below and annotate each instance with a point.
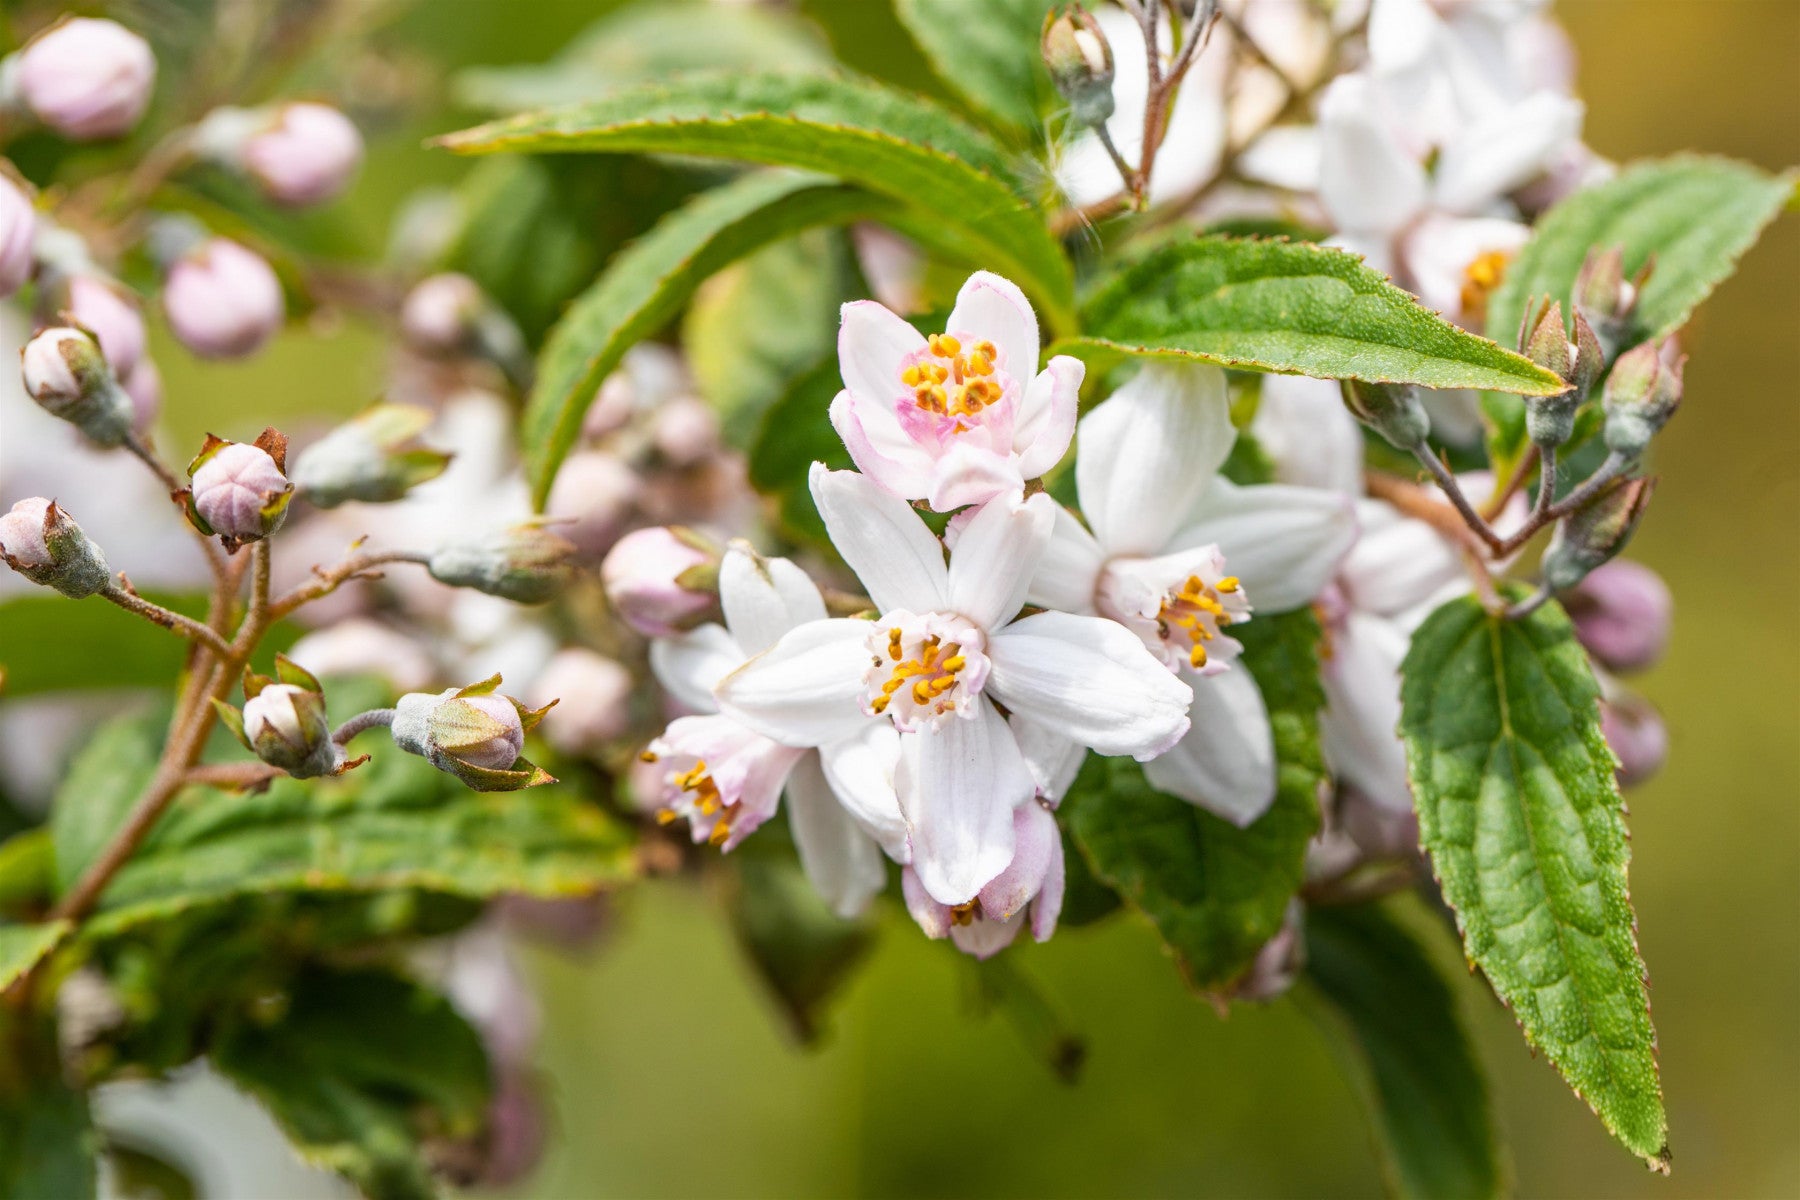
(685, 431)
(65, 372)
(1622, 613)
(473, 733)
(18, 224)
(87, 79)
(144, 386)
(44, 544)
(306, 157)
(596, 695)
(223, 301)
(592, 499)
(660, 581)
(239, 491)
(22, 532)
(111, 315)
(1637, 736)
(438, 316)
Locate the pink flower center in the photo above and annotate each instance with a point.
(947, 381)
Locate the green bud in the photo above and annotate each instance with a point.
(526, 564)
(284, 723)
(473, 733)
(1394, 410)
(1080, 62)
(44, 544)
(1550, 420)
(374, 457)
(1642, 393)
(1589, 537)
(1605, 296)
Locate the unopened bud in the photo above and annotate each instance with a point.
(44, 544)
(222, 300)
(592, 500)
(598, 691)
(1642, 393)
(18, 227)
(1605, 296)
(86, 79)
(284, 724)
(67, 374)
(240, 491)
(449, 315)
(1550, 420)
(144, 386)
(1394, 410)
(527, 564)
(662, 580)
(306, 154)
(1594, 533)
(112, 315)
(685, 430)
(473, 733)
(375, 457)
(1622, 614)
(1639, 740)
(1080, 62)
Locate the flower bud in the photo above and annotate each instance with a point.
(111, 314)
(592, 500)
(685, 430)
(284, 723)
(18, 226)
(473, 733)
(1550, 420)
(239, 491)
(1605, 297)
(1394, 410)
(1080, 62)
(599, 694)
(438, 315)
(86, 79)
(527, 564)
(222, 300)
(1594, 533)
(1622, 613)
(306, 155)
(66, 373)
(1642, 393)
(375, 457)
(1639, 740)
(44, 544)
(662, 580)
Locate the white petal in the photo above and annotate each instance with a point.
(1034, 833)
(933, 916)
(871, 343)
(1369, 182)
(1089, 679)
(1362, 709)
(879, 447)
(1438, 251)
(1286, 156)
(805, 690)
(1303, 426)
(1069, 572)
(689, 665)
(970, 474)
(984, 939)
(1054, 759)
(996, 556)
(763, 598)
(1046, 420)
(1048, 906)
(1503, 151)
(1226, 763)
(897, 558)
(1397, 563)
(1148, 453)
(862, 770)
(843, 862)
(994, 308)
(969, 777)
(1283, 542)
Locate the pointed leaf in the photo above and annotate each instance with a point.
(22, 947)
(987, 54)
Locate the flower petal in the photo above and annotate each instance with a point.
(1148, 453)
(689, 665)
(897, 558)
(1046, 421)
(1034, 833)
(994, 308)
(1088, 679)
(763, 598)
(1397, 563)
(933, 916)
(996, 555)
(1068, 574)
(983, 939)
(1283, 542)
(1491, 157)
(1361, 719)
(971, 474)
(958, 798)
(806, 689)
(1303, 426)
(843, 862)
(1048, 906)
(871, 343)
(879, 447)
(1226, 763)
(1053, 759)
(1369, 182)
(861, 770)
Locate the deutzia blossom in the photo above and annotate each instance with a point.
(959, 417)
(1028, 892)
(725, 778)
(948, 645)
(1178, 556)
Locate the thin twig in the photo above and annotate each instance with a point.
(1546, 494)
(244, 777)
(187, 627)
(375, 717)
(328, 579)
(1454, 493)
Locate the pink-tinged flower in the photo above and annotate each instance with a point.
(1029, 892)
(306, 155)
(87, 79)
(948, 646)
(1178, 557)
(726, 778)
(1622, 613)
(111, 314)
(961, 416)
(239, 490)
(661, 580)
(18, 224)
(223, 301)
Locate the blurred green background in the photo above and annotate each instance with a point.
(671, 1071)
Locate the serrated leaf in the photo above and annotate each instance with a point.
(1521, 815)
(987, 54)
(1423, 1085)
(361, 1069)
(1288, 307)
(1215, 892)
(47, 1141)
(22, 947)
(893, 144)
(795, 433)
(648, 282)
(802, 951)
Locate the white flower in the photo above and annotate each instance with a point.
(1028, 892)
(726, 777)
(1163, 532)
(948, 645)
(959, 417)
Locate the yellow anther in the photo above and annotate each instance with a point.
(921, 692)
(912, 376)
(665, 816)
(1197, 656)
(894, 644)
(1228, 585)
(954, 663)
(945, 346)
(879, 705)
(963, 914)
(720, 831)
(647, 756)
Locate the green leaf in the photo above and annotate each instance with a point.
(22, 947)
(1520, 812)
(897, 145)
(394, 824)
(795, 433)
(50, 643)
(1696, 216)
(647, 284)
(802, 951)
(361, 1069)
(27, 872)
(1288, 307)
(1425, 1091)
(1215, 892)
(987, 54)
(47, 1141)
